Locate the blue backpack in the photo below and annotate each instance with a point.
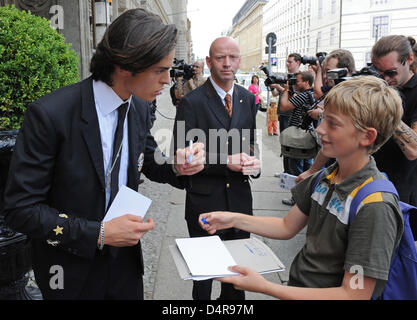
(402, 277)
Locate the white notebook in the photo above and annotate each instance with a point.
(213, 263)
(206, 256)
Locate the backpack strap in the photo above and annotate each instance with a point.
(380, 185)
(316, 182)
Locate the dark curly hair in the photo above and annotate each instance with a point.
(136, 40)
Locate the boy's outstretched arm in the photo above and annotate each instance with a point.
(270, 227)
(351, 288)
(318, 163)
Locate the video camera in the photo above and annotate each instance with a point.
(320, 56)
(278, 79)
(181, 69)
(340, 74)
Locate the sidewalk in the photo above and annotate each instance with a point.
(267, 202)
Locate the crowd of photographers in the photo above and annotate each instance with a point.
(393, 61)
(300, 104)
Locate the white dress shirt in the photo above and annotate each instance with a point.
(221, 92)
(107, 102)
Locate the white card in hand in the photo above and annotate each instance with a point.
(128, 201)
(286, 181)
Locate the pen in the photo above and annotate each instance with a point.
(190, 157)
(204, 220)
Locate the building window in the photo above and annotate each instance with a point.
(332, 36)
(320, 12)
(333, 7)
(380, 27)
(319, 40)
(378, 2)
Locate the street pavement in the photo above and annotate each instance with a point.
(161, 280)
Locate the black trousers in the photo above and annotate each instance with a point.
(114, 275)
(202, 289)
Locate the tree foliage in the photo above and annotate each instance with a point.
(34, 61)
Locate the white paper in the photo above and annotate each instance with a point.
(128, 201)
(206, 256)
(286, 181)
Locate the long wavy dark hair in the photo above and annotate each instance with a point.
(136, 40)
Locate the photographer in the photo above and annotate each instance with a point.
(189, 84)
(297, 105)
(339, 58)
(392, 57)
(293, 66)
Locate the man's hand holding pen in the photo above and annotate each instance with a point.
(190, 160)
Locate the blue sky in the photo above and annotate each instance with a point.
(209, 18)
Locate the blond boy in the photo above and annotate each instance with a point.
(360, 115)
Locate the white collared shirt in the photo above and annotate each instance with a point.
(221, 92)
(107, 102)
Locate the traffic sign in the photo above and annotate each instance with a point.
(271, 36)
(273, 50)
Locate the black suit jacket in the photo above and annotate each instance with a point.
(57, 179)
(201, 114)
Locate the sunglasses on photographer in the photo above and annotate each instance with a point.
(389, 73)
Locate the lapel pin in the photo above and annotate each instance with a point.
(58, 230)
(52, 243)
(140, 162)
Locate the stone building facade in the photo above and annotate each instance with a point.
(247, 30)
(83, 22)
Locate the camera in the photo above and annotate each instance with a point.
(337, 75)
(369, 70)
(320, 56)
(340, 74)
(278, 79)
(181, 69)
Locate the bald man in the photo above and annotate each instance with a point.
(229, 132)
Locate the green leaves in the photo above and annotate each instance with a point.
(34, 60)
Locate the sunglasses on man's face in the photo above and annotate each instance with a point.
(389, 73)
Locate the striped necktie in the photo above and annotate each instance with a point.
(228, 105)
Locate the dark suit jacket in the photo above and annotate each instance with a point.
(57, 179)
(203, 115)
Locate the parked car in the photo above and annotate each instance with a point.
(244, 79)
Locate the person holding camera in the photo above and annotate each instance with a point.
(189, 84)
(293, 67)
(298, 106)
(392, 57)
(339, 58)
